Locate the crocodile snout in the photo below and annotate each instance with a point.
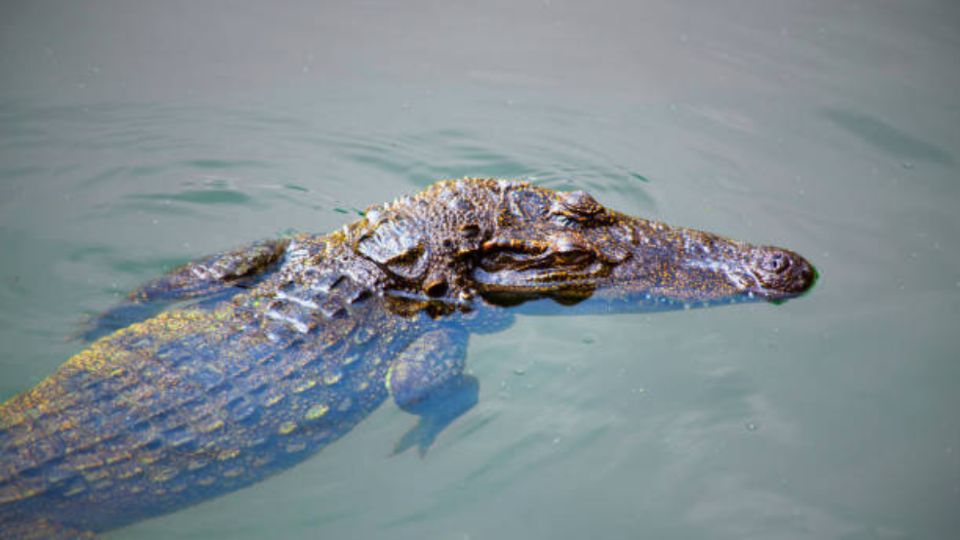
(781, 273)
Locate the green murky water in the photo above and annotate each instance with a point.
(136, 137)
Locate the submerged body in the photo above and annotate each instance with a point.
(286, 345)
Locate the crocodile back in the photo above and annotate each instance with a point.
(194, 403)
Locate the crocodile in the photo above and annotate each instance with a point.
(234, 367)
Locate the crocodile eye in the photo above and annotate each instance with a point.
(775, 263)
(576, 207)
(580, 202)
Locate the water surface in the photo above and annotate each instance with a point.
(135, 137)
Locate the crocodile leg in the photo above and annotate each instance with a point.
(214, 277)
(427, 380)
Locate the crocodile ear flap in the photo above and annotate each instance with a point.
(399, 246)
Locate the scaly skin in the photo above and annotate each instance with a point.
(288, 344)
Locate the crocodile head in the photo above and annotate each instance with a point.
(509, 242)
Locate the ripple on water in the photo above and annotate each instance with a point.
(423, 157)
(179, 161)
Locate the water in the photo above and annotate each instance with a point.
(134, 137)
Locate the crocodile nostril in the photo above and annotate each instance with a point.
(796, 275)
(775, 263)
